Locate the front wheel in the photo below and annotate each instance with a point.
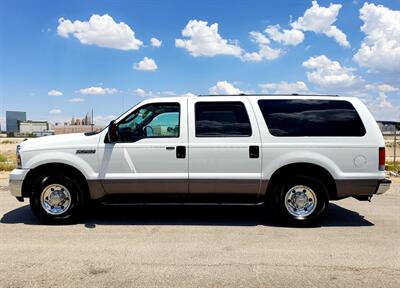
(301, 200)
(57, 199)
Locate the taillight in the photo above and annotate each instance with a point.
(381, 158)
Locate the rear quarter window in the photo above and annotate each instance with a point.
(311, 118)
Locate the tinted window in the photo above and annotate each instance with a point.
(311, 118)
(222, 119)
(150, 121)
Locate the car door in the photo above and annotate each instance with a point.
(150, 155)
(224, 143)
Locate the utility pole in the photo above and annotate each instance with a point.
(92, 121)
(394, 149)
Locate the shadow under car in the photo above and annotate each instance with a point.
(212, 215)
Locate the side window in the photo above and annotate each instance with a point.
(222, 119)
(311, 118)
(156, 120)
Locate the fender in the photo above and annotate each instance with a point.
(64, 158)
(269, 168)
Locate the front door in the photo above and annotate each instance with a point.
(150, 155)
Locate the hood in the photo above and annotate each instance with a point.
(64, 141)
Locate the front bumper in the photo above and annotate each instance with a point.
(17, 177)
(383, 186)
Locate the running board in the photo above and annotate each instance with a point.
(178, 204)
(180, 199)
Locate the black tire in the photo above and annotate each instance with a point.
(286, 186)
(77, 199)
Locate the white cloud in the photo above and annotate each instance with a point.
(101, 31)
(286, 37)
(54, 93)
(103, 120)
(147, 64)
(143, 93)
(168, 93)
(188, 94)
(55, 111)
(76, 100)
(46, 30)
(387, 88)
(320, 20)
(381, 87)
(331, 77)
(380, 49)
(97, 90)
(330, 74)
(384, 102)
(204, 40)
(259, 38)
(382, 107)
(222, 88)
(155, 42)
(264, 52)
(284, 87)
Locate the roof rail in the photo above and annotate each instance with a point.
(293, 94)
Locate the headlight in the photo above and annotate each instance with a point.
(19, 162)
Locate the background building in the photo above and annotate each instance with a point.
(64, 128)
(12, 119)
(31, 127)
(77, 125)
(388, 126)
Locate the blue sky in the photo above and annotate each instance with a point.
(59, 59)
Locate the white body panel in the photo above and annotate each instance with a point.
(147, 158)
(62, 149)
(336, 154)
(227, 158)
(208, 159)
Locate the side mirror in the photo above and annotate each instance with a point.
(112, 132)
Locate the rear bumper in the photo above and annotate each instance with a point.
(383, 186)
(17, 177)
(361, 187)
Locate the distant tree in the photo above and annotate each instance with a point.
(398, 126)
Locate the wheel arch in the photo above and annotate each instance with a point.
(302, 168)
(65, 169)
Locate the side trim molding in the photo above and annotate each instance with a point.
(222, 186)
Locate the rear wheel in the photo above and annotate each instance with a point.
(301, 200)
(57, 199)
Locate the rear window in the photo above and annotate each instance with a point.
(314, 118)
(222, 119)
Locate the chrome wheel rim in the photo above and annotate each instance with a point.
(300, 201)
(55, 199)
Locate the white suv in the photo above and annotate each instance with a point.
(295, 152)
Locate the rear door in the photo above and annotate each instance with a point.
(224, 141)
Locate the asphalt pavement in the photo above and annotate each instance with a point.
(357, 245)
